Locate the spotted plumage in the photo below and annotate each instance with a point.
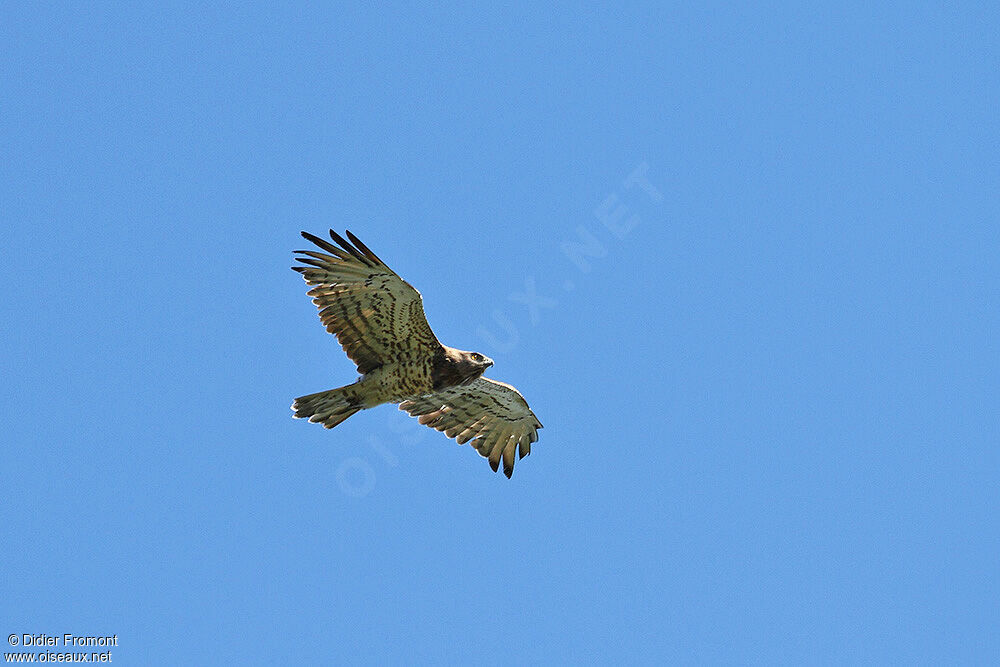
(378, 318)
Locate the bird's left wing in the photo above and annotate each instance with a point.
(494, 413)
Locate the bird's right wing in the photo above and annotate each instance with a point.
(375, 314)
(494, 413)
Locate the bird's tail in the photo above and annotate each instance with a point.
(328, 408)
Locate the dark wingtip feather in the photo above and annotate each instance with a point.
(349, 248)
(322, 243)
(363, 248)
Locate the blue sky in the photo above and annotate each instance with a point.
(769, 385)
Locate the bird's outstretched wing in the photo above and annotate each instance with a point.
(376, 315)
(493, 413)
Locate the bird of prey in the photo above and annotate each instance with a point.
(378, 318)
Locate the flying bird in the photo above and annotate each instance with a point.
(378, 318)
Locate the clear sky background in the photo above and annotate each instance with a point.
(768, 382)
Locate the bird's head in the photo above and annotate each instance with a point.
(481, 359)
(472, 364)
